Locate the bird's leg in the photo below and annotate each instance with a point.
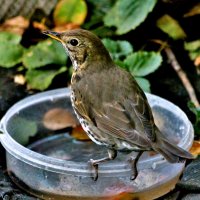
(111, 156)
(133, 160)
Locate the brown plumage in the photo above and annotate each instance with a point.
(109, 103)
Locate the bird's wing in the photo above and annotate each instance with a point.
(123, 113)
(126, 121)
(116, 121)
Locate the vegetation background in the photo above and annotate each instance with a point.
(158, 41)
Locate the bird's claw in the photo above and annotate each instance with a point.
(95, 167)
(134, 175)
(134, 172)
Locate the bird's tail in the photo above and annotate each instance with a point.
(171, 152)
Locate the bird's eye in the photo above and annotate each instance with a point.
(74, 42)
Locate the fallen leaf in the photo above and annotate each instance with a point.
(197, 64)
(39, 25)
(197, 61)
(194, 11)
(59, 118)
(79, 134)
(192, 46)
(19, 79)
(195, 149)
(68, 26)
(15, 25)
(66, 11)
(171, 27)
(123, 191)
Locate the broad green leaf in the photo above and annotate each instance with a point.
(143, 63)
(143, 83)
(103, 31)
(66, 11)
(126, 15)
(98, 10)
(44, 53)
(10, 37)
(118, 49)
(192, 46)
(171, 27)
(10, 54)
(41, 79)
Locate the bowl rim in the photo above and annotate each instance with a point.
(57, 165)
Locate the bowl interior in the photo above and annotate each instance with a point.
(26, 125)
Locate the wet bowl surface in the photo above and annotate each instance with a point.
(55, 166)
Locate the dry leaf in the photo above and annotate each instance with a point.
(171, 27)
(59, 118)
(195, 149)
(197, 64)
(39, 25)
(66, 27)
(79, 134)
(19, 79)
(194, 11)
(15, 25)
(66, 11)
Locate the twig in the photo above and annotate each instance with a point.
(182, 75)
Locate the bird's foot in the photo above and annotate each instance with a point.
(133, 161)
(134, 174)
(134, 171)
(95, 167)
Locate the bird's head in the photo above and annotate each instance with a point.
(83, 47)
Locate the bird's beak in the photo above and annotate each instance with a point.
(53, 34)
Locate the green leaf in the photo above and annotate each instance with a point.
(118, 49)
(66, 11)
(126, 15)
(196, 111)
(98, 10)
(41, 79)
(171, 27)
(192, 46)
(44, 53)
(143, 83)
(143, 63)
(10, 37)
(10, 54)
(194, 54)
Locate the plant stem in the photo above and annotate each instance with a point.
(182, 75)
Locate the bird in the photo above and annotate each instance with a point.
(110, 105)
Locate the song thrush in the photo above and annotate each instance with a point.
(110, 105)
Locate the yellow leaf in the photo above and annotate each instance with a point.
(171, 27)
(70, 11)
(195, 149)
(194, 11)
